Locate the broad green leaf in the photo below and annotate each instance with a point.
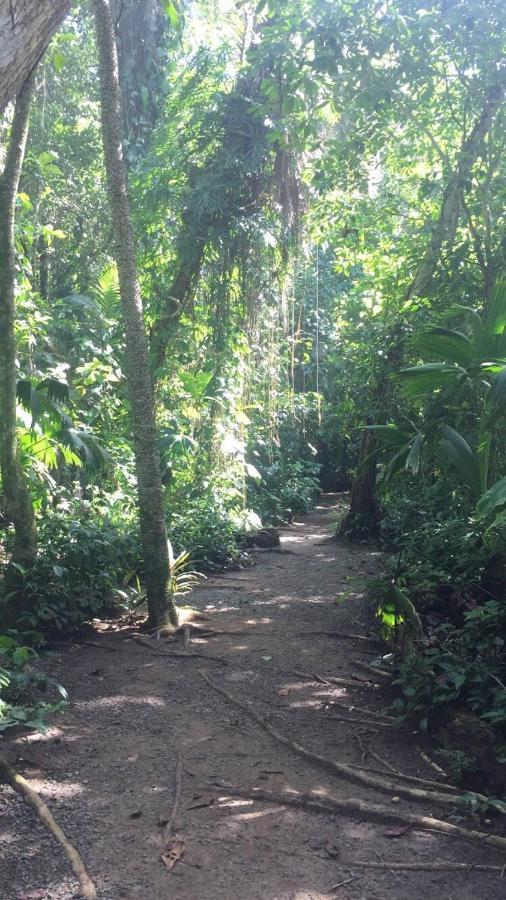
(447, 345)
(389, 434)
(498, 391)
(414, 457)
(493, 500)
(429, 377)
(462, 457)
(495, 320)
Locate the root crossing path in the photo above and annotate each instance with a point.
(169, 790)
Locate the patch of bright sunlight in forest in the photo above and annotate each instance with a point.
(59, 791)
(265, 620)
(298, 539)
(37, 737)
(119, 699)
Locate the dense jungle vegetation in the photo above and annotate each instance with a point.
(307, 292)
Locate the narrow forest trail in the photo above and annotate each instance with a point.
(108, 768)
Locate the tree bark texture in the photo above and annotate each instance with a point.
(362, 518)
(26, 27)
(18, 504)
(446, 225)
(141, 35)
(149, 485)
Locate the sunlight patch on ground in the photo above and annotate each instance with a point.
(34, 738)
(119, 699)
(60, 791)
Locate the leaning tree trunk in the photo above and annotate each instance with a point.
(147, 460)
(26, 27)
(446, 225)
(18, 504)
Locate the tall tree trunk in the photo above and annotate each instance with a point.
(446, 225)
(141, 31)
(19, 509)
(362, 518)
(26, 27)
(147, 460)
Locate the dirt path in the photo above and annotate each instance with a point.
(108, 767)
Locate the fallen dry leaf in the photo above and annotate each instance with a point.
(172, 853)
(33, 895)
(283, 692)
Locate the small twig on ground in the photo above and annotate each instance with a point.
(430, 762)
(312, 675)
(364, 750)
(375, 723)
(341, 884)
(362, 709)
(382, 673)
(384, 863)
(354, 681)
(170, 825)
(329, 765)
(384, 762)
(23, 787)
(325, 803)
(329, 680)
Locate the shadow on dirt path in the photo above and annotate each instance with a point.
(108, 767)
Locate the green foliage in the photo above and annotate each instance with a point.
(285, 489)
(83, 557)
(25, 690)
(465, 665)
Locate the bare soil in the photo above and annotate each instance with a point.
(107, 767)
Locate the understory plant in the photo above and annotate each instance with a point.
(27, 694)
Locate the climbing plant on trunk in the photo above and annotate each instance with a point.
(16, 496)
(149, 484)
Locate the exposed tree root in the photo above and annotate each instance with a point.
(169, 653)
(170, 825)
(414, 779)
(336, 768)
(435, 866)
(334, 806)
(23, 787)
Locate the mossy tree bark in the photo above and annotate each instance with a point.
(16, 496)
(149, 485)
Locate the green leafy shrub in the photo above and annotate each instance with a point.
(82, 558)
(286, 488)
(22, 684)
(465, 665)
(205, 528)
(436, 546)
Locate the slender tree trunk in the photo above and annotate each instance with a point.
(149, 484)
(19, 509)
(26, 27)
